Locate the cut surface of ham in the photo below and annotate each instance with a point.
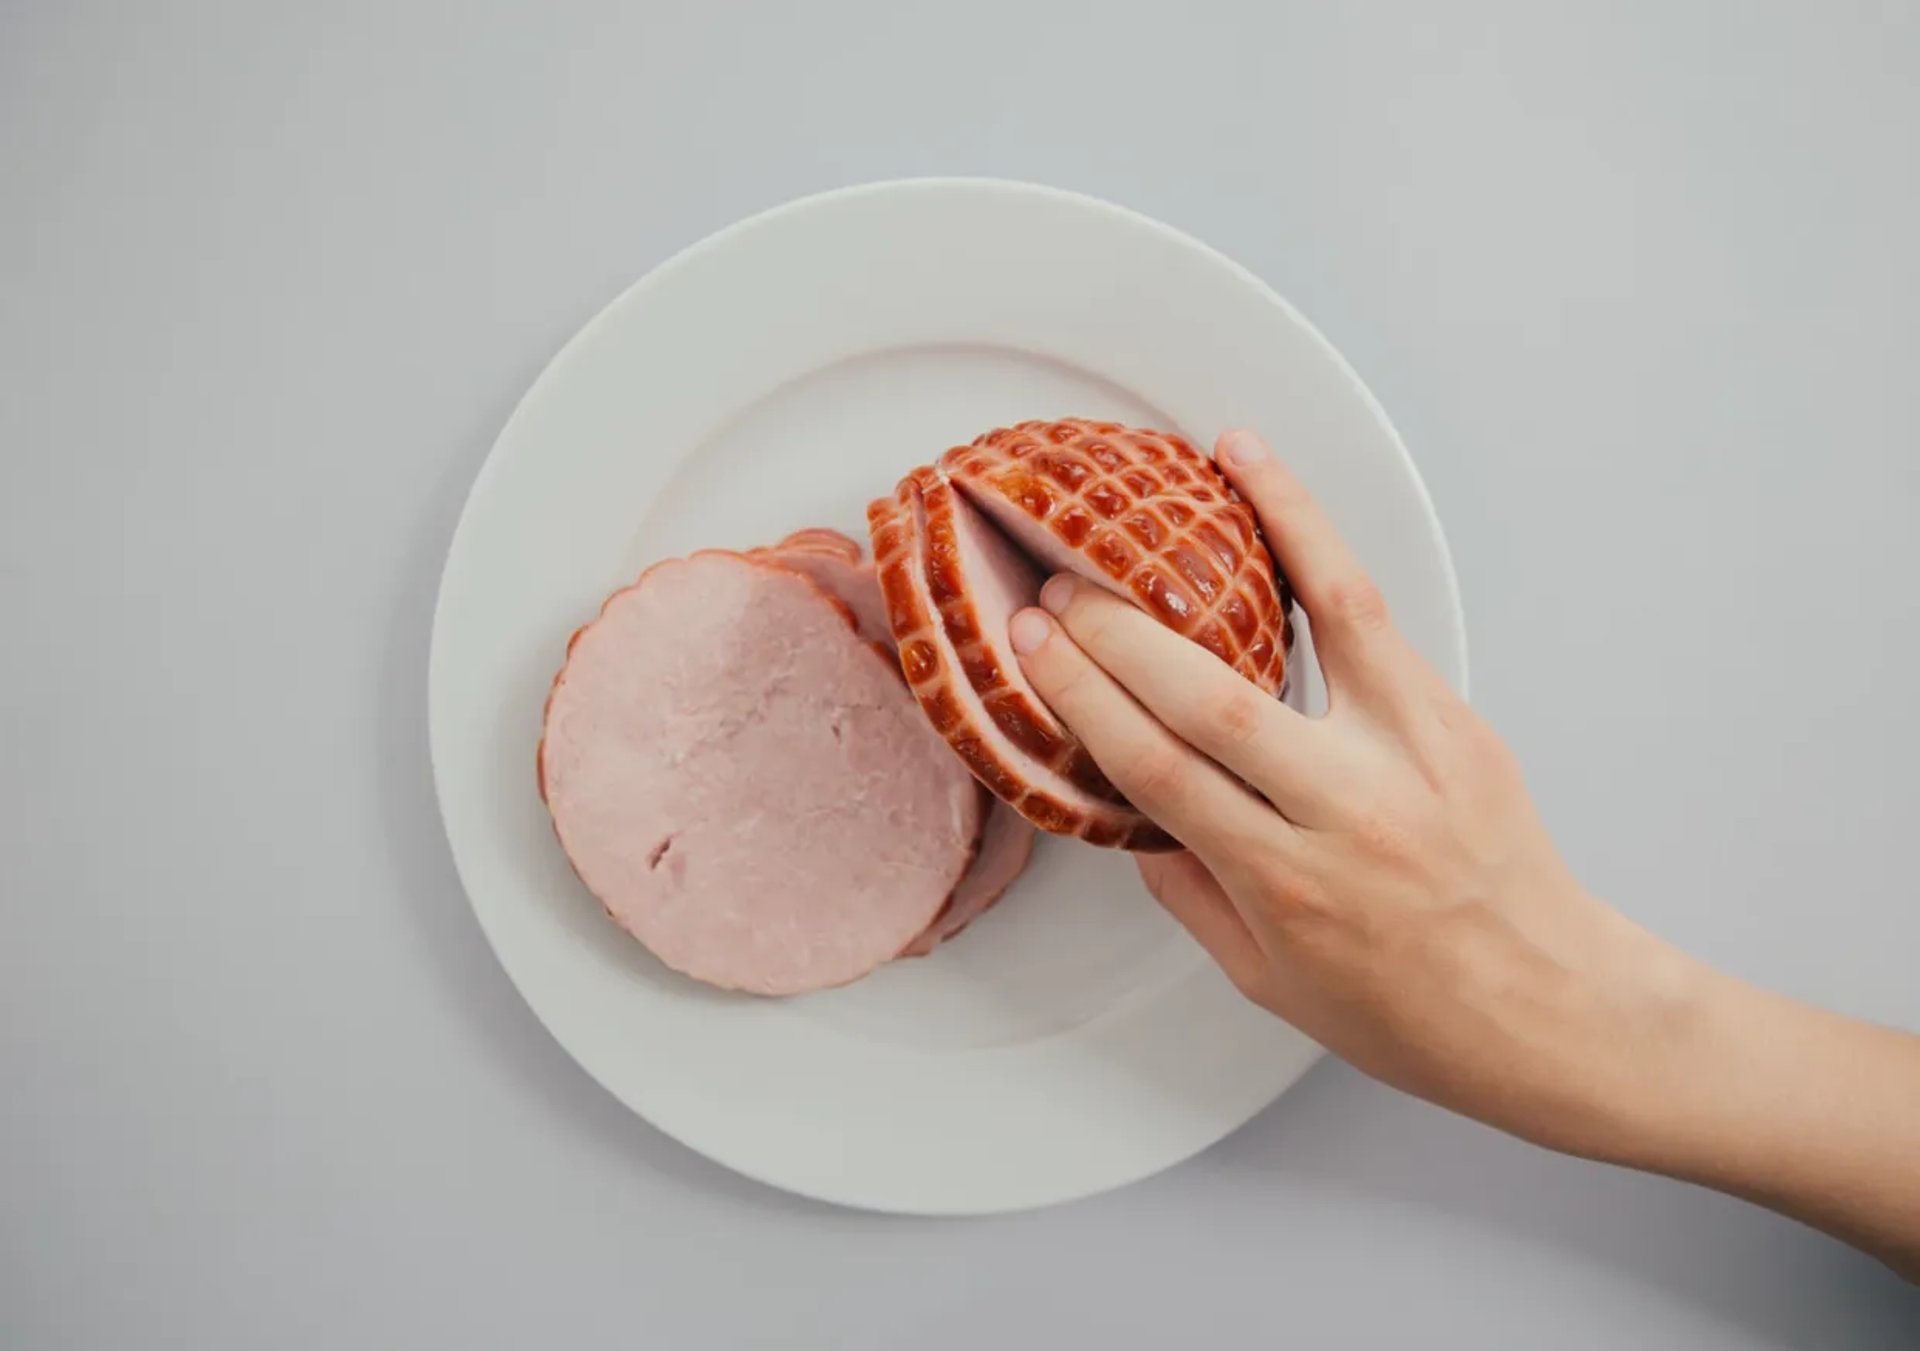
(740, 779)
(976, 581)
(1006, 845)
(835, 562)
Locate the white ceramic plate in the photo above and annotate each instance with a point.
(779, 375)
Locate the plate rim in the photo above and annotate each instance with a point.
(635, 292)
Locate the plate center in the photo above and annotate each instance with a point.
(1077, 934)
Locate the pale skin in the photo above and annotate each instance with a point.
(1377, 877)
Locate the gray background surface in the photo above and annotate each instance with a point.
(1638, 282)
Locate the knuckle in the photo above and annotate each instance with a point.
(1382, 830)
(1086, 627)
(1301, 911)
(1356, 603)
(1239, 718)
(1154, 774)
(1062, 680)
(1088, 619)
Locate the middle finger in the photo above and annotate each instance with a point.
(1202, 805)
(1203, 701)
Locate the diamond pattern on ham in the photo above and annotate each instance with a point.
(966, 542)
(959, 711)
(1146, 516)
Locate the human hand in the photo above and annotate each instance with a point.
(1376, 876)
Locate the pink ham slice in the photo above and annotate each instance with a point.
(1006, 844)
(824, 539)
(966, 542)
(977, 580)
(743, 783)
(835, 562)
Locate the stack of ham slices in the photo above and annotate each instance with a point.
(737, 769)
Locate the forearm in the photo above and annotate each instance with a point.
(1803, 1111)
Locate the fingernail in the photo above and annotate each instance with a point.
(1028, 630)
(1056, 593)
(1243, 447)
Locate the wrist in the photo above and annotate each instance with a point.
(1627, 1021)
(1663, 1096)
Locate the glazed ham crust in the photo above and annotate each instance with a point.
(1148, 517)
(966, 542)
(960, 713)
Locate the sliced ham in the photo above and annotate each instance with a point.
(977, 579)
(1006, 845)
(1144, 515)
(966, 542)
(824, 539)
(835, 562)
(958, 711)
(742, 781)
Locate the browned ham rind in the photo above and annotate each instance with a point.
(1144, 515)
(938, 676)
(966, 542)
